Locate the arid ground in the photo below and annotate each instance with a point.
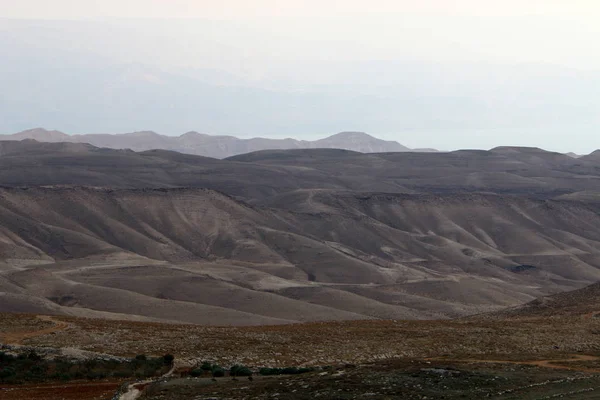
(547, 348)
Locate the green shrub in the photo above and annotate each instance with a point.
(290, 371)
(197, 372)
(64, 377)
(207, 366)
(240, 370)
(270, 371)
(6, 358)
(168, 359)
(94, 375)
(284, 371)
(7, 372)
(122, 374)
(217, 371)
(30, 367)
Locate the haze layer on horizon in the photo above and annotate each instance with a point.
(443, 74)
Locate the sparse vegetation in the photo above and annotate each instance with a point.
(206, 366)
(240, 370)
(31, 367)
(284, 371)
(168, 359)
(217, 371)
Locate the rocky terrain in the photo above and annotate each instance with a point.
(521, 355)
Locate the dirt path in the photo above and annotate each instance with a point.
(17, 338)
(134, 390)
(556, 363)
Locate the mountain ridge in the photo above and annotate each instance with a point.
(216, 146)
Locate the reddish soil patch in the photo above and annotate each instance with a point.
(61, 391)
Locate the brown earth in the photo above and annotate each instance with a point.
(61, 391)
(517, 355)
(17, 337)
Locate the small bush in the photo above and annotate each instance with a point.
(6, 358)
(284, 371)
(290, 371)
(207, 366)
(168, 359)
(270, 371)
(218, 372)
(240, 370)
(197, 372)
(7, 372)
(95, 375)
(64, 377)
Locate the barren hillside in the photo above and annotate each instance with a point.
(195, 255)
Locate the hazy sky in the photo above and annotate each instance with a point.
(581, 9)
(470, 73)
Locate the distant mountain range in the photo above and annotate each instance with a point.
(216, 146)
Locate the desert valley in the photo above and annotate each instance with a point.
(324, 272)
(299, 200)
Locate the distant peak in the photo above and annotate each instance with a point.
(193, 133)
(360, 141)
(501, 149)
(349, 134)
(42, 135)
(143, 133)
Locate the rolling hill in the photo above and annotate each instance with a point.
(259, 176)
(195, 255)
(282, 236)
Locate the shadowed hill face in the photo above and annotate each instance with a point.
(593, 157)
(259, 175)
(503, 170)
(32, 148)
(31, 163)
(199, 256)
(585, 301)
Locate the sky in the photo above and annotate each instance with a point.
(226, 9)
(432, 73)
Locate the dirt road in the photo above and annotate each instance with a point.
(555, 363)
(17, 338)
(134, 390)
